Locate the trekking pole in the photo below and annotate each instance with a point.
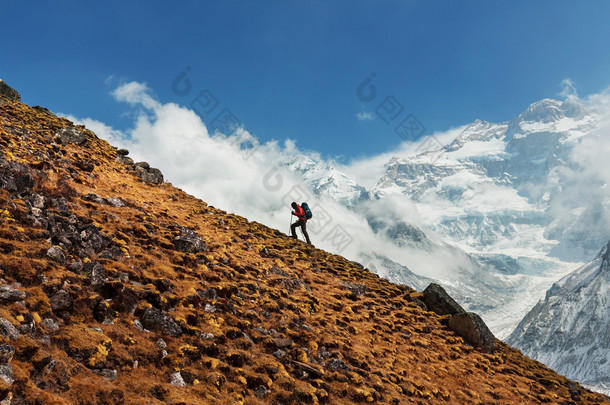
(290, 225)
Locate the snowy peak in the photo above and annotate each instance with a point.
(570, 330)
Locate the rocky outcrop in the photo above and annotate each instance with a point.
(472, 328)
(439, 301)
(8, 92)
(468, 325)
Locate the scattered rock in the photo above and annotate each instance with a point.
(161, 344)
(159, 321)
(177, 380)
(438, 301)
(6, 353)
(61, 301)
(10, 294)
(6, 373)
(37, 200)
(138, 325)
(75, 266)
(282, 343)
(8, 330)
(261, 391)
(122, 152)
(357, 289)
(337, 364)
(95, 271)
(115, 202)
(126, 160)
(85, 165)
(73, 135)
(189, 242)
(9, 92)
(56, 254)
(471, 327)
(107, 374)
(143, 165)
(50, 324)
(149, 175)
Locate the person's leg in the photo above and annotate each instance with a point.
(293, 229)
(304, 228)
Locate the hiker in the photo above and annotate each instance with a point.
(299, 212)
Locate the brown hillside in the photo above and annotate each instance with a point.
(116, 290)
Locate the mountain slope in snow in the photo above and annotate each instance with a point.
(569, 330)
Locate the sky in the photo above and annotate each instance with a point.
(348, 79)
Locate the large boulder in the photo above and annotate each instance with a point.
(471, 327)
(437, 300)
(9, 92)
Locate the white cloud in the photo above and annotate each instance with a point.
(365, 116)
(568, 88)
(220, 170)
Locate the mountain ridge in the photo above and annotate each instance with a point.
(119, 288)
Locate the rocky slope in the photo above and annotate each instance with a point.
(119, 288)
(570, 329)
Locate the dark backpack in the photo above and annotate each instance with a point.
(308, 213)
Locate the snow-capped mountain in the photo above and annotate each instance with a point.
(569, 330)
(490, 190)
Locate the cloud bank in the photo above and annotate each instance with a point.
(236, 173)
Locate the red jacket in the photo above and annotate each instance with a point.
(300, 212)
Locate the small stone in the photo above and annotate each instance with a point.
(6, 373)
(115, 202)
(93, 198)
(37, 201)
(76, 266)
(96, 272)
(279, 353)
(50, 324)
(282, 343)
(107, 374)
(56, 254)
(138, 325)
(159, 321)
(161, 344)
(143, 165)
(73, 135)
(6, 353)
(177, 380)
(189, 242)
(122, 152)
(337, 364)
(126, 160)
(209, 308)
(207, 336)
(8, 293)
(61, 301)
(260, 391)
(8, 330)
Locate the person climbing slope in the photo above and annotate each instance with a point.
(299, 212)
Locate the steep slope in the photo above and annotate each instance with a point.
(119, 288)
(570, 329)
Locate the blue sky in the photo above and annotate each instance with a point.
(291, 69)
